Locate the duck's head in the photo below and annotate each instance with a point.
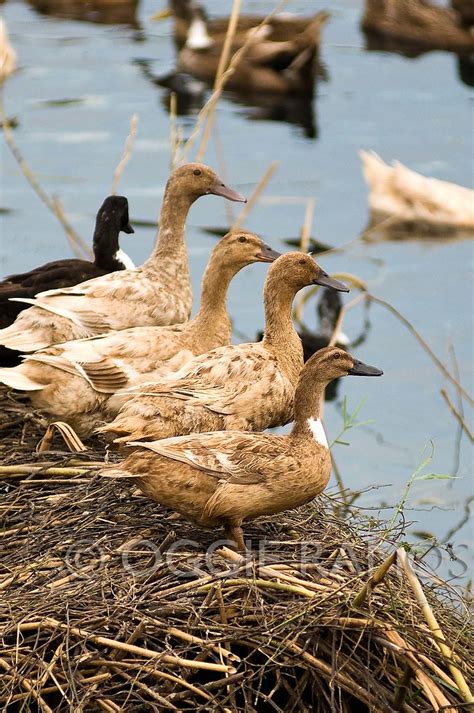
(298, 270)
(240, 248)
(196, 180)
(332, 363)
(114, 210)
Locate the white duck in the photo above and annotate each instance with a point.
(407, 197)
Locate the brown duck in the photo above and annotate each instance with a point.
(267, 66)
(75, 380)
(223, 479)
(417, 24)
(282, 26)
(248, 387)
(158, 292)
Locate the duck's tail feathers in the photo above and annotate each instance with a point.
(114, 471)
(17, 379)
(21, 340)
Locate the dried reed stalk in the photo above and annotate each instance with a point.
(438, 636)
(174, 142)
(78, 246)
(218, 81)
(127, 152)
(458, 416)
(211, 104)
(257, 191)
(304, 247)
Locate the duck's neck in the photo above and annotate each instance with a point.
(280, 335)
(307, 412)
(105, 245)
(211, 326)
(169, 243)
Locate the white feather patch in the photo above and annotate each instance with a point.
(317, 429)
(126, 261)
(198, 39)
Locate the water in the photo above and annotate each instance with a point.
(417, 111)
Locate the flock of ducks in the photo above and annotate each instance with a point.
(118, 355)
(111, 349)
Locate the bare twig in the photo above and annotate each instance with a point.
(424, 344)
(78, 246)
(255, 195)
(438, 636)
(374, 579)
(127, 152)
(304, 245)
(457, 415)
(218, 81)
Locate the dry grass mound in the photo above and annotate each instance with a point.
(111, 603)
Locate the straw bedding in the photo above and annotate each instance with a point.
(111, 603)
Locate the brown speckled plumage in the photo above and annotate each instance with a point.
(247, 387)
(157, 293)
(217, 479)
(79, 377)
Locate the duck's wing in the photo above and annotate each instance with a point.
(233, 457)
(120, 358)
(88, 358)
(56, 275)
(224, 380)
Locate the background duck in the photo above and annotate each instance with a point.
(108, 257)
(413, 201)
(73, 381)
(282, 26)
(7, 54)
(268, 66)
(465, 9)
(222, 479)
(418, 23)
(98, 11)
(246, 386)
(158, 292)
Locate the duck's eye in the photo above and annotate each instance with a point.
(242, 239)
(197, 172)
(302, 262)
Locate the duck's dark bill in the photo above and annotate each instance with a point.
(220, 189)
(327, 281)
(361, 369)
(128, 229)
(268, 254)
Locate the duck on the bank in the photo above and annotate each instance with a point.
(267, 66)
(411, 201)
(328, 309)
(157, 293)
(248, 387)
(223, 479)
(74, 381)
(112, 218)
(417, 23)
(282, 26)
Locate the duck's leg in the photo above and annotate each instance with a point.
(234, 532)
